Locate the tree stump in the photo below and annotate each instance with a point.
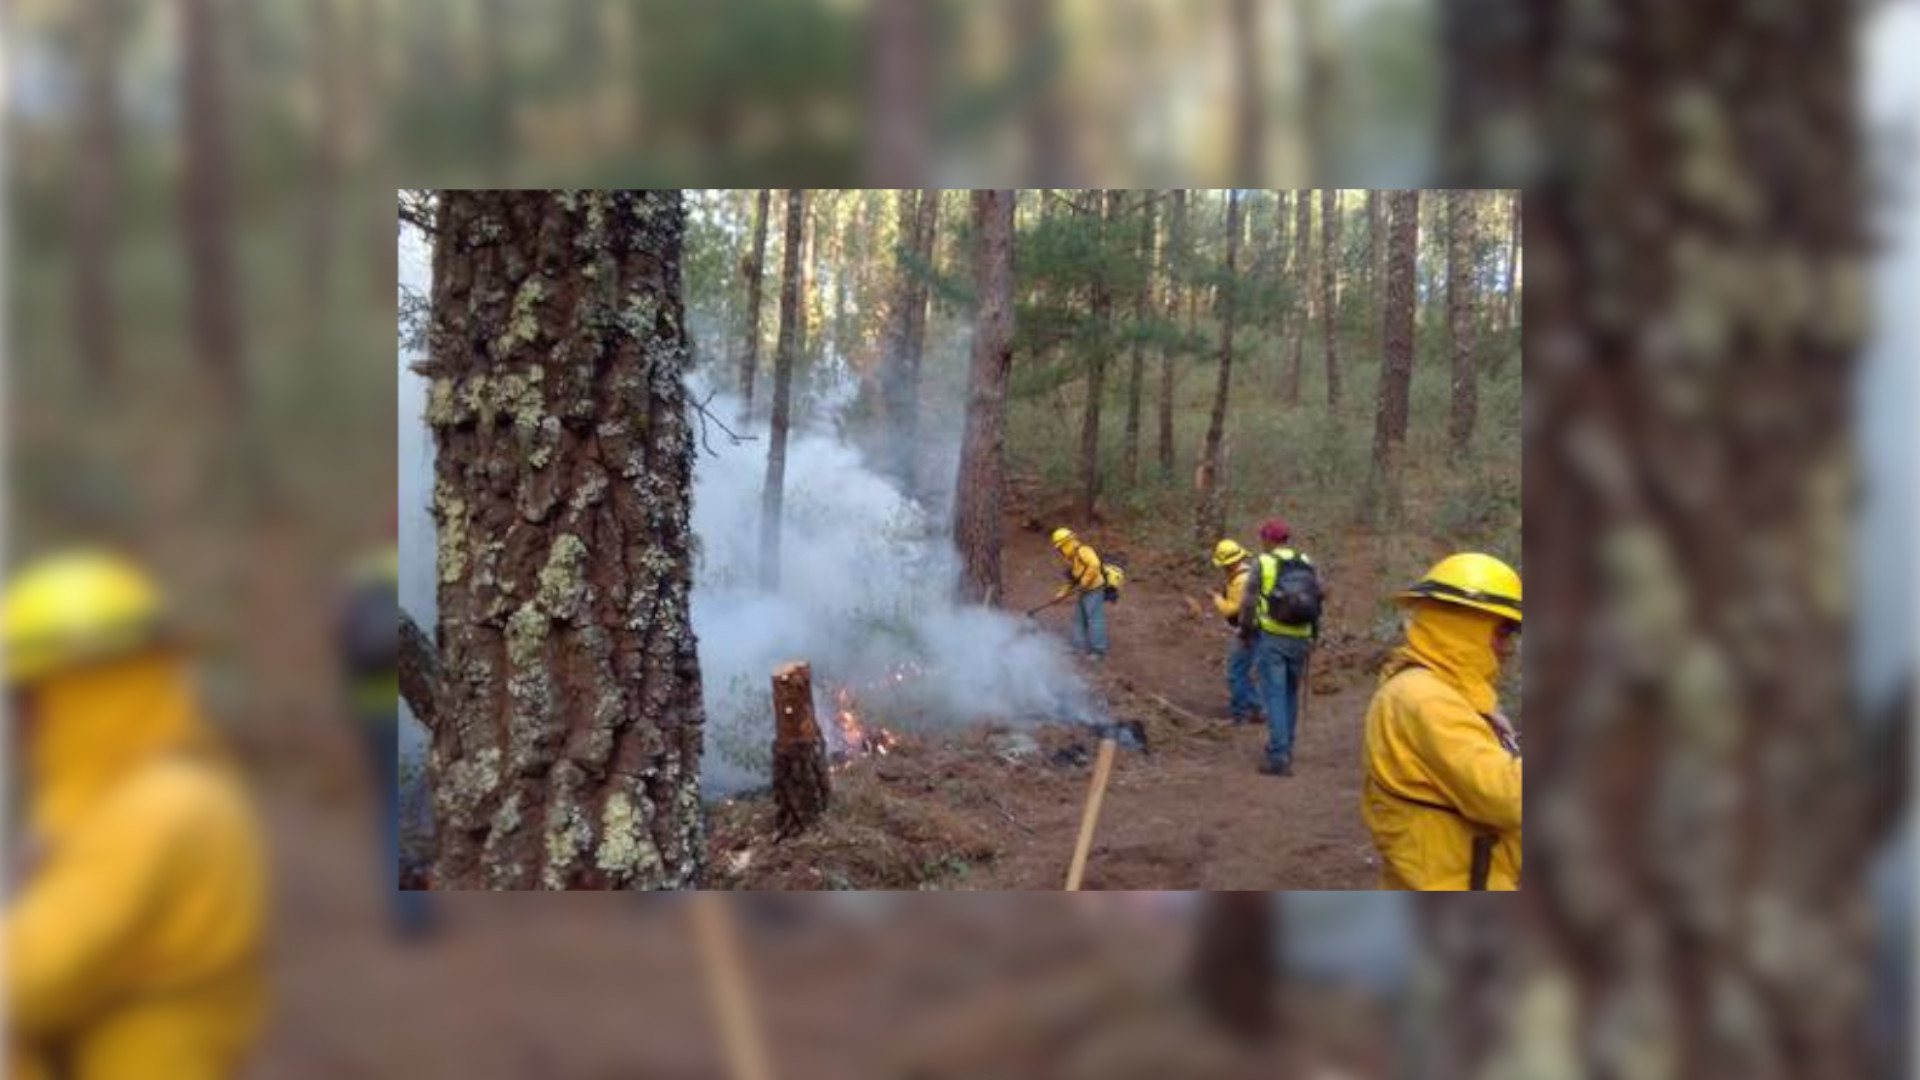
(800, 779)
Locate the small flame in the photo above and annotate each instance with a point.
(856, 739)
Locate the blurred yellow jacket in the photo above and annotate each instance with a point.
(134, 942)
(1229, 605)
(1437, 775)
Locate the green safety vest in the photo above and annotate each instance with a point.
(1269, 570)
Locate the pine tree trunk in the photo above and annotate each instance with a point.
(1376, 269)
(207, 206)
(1396, 362)
(900, 93)
(1511, 313)
(1466, 377)
(1283, 247)
(897, 391)
(926, 228)
(1329, 286)
(567, 734)
(774, 494)
(756, 278)
(1210, 518)
(1302, 291)
(97, 171)
(1143, 310)
(1097, 373)
(1175, 259)
(981, 485)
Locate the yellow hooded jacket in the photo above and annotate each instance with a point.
(1085, 572)
(1437, 774)
(1230, 603)
(134, 942)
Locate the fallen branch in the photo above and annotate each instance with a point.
(1008, 814)
(419, 672)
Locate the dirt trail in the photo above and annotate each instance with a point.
(1196, 814)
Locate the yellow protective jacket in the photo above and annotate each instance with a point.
(134, 937)
(1437, 774)
(1236, 595)
(1083, 570)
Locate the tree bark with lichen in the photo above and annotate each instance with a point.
(567, 720)
(1701, 792)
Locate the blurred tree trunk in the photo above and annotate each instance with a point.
(981, 485)
(756, 278)
(1703, 788)
(1460, 294)
(1396, 362)
(1249, 129)
(783, 359)
(207, 204)
(1233, 968)
(97, 175)
(1097, 369)
(1302, 304)
(900, 46)
(1175, 265)
(566, 737)
(1316, 99)
(1143, 310)
(323, 173)
(1034, 36)
(1329, 288)
(1210, 517)
(1282, 219)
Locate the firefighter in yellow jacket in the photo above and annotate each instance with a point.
(1442, 790)
(1238, 565)
(135, 915)
(1090, 582)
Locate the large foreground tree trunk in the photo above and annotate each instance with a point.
(1176, 268)
(1701, 790)
(1460, 292)
(981, 486)
(756, 276)
(773, 495)
(1396, 361)
(566, 737)
(1233, 970)
(1210, 515)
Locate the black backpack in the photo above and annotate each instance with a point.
(1295, 598)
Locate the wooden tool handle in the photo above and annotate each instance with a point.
(727, 984)
(1089, 818)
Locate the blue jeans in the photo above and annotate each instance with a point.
(1242, 698)
(411, 913)
(1090, 623)
(1278, 663)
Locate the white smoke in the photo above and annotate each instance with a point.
(865, 592)
(865, 596)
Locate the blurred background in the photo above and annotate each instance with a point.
(1721, 228)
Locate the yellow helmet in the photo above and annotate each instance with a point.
(1471, 580)
(1062, 537)
(1228, 552)
(69, 610)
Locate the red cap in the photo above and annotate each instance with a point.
(1275, 531)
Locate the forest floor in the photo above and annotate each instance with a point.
(1192, 813)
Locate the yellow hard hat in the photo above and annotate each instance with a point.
(73, 609)
(1228, 552)
(1062, 537)
(1471, 580)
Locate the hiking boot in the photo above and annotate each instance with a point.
(1270, 769)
